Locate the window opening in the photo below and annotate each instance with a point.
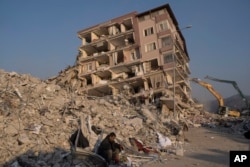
(148, 31)
(150, 47)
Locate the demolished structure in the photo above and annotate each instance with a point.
(142, 56)
(37, 119)
(135, 58)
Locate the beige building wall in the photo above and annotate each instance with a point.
(145, 40)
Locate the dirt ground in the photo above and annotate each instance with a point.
(207, 147)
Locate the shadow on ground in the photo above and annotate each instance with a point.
(56, 158)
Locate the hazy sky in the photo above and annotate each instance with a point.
(39, 37)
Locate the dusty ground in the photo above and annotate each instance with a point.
(208, 147)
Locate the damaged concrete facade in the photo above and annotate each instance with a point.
(141, 55)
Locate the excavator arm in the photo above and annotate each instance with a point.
(235, 85)
(210, 89)
(222, 109)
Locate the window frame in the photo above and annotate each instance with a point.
(148, 44)
(166, 43)
(168, 58)
(148, 33)
(88, 67)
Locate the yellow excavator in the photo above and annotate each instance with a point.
(223, 110)
(235, 85)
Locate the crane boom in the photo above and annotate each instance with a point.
(235, 85)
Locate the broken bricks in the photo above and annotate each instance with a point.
(40, 116)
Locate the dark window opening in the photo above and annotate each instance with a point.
(148, 31)
(154, 64)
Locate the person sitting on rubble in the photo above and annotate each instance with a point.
(109, 149)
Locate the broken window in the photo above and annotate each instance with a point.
(166, 41)
(113, 30)
(86, 39)
(88, 80)
(157, 81)
(148, 31)
(134, 54)
(168, 58)
(149, 47)
(154, 64)
(138, 69)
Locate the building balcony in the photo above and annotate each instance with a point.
(98, 33)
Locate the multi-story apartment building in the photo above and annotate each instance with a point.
(138, 54)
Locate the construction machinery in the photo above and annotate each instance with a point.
(235, 85)
(223, 110)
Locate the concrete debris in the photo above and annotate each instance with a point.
(38, 117)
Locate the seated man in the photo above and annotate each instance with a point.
(109, 149)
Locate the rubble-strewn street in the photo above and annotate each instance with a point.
(206, 147)
(37, 119)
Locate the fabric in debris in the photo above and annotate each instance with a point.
(78, 139)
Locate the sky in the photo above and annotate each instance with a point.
(39, 37)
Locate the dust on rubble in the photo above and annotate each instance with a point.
(37, 118)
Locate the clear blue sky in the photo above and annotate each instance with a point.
(39, 37)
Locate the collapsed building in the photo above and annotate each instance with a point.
(133, 57)
(140, 55)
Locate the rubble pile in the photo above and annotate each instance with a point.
(38, 117)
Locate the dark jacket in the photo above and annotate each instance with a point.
(109, 150)
(106, 145)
